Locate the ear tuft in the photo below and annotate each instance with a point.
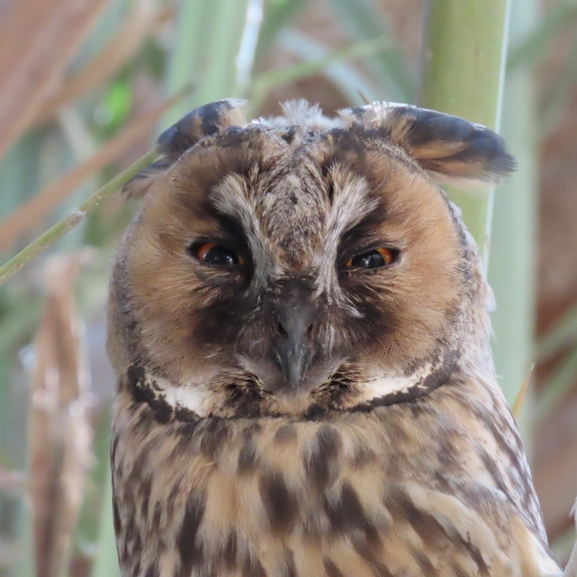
(448, 147)
(208, 119)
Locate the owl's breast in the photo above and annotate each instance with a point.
(395, 491)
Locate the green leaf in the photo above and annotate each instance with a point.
(265, 82)
(214, 48)
(114, 109)
(389, 67)
(278, 13)
(532, 47)
(186, 55)
(344, 76)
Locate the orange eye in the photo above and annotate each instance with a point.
(217, 254)
(376, 258)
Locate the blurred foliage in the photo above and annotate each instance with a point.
(104, 91)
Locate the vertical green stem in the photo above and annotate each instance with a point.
(462, 67)
(187, 55)
(512, 269)
(214, 49)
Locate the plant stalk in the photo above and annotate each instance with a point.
(513, 258)
(463, 51)
(47, 239)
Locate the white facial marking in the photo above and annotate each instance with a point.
(350, 205)
(191, 396)
(234, 198)
(388, 385)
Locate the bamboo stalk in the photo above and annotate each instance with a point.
(462, 67)
(220, 73)
(512, 266)
(74, 218)
(186, 55)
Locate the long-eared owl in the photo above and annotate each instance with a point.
(298, 320)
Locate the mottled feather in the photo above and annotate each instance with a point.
(288, 414)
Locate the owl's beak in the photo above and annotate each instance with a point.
(293, 348)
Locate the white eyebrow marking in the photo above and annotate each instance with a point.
(234, 198)
(350, 205)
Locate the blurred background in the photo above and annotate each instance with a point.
(86, 87)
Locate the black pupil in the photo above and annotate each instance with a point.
(372, 259)
(221, 255)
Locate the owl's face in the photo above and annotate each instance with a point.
(276, 269)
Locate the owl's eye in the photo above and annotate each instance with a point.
(375, 258)
(217, 254)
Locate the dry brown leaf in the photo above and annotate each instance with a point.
(60, 433)
(518, 404)
(37, 40)
(137, 27)
(34, 211)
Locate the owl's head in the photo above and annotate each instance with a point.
(300, 264)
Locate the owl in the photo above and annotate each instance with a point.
(298, 321)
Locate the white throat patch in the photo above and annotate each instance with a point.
(393, 389)
(165, 395)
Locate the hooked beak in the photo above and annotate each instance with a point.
(293, 349)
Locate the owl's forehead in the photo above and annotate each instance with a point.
(295, 194)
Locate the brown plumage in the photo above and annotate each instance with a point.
(298, 321)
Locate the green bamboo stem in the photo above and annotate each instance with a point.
(207, 50)
(186, 57)
(462, 67)
(74, 218)
(512, 265)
